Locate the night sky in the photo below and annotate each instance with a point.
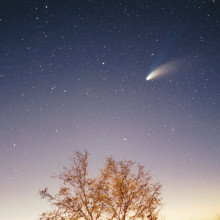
(73, 77)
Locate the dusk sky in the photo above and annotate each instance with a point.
(73, 76)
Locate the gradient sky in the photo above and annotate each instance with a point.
(73, 76)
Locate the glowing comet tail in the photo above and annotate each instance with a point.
(163, 70)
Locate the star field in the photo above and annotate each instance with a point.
(73, 77)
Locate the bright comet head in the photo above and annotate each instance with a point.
(148, 77)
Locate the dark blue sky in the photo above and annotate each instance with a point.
(73, 76)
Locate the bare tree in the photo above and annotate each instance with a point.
(118, 193)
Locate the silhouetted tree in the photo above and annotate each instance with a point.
(119, 192)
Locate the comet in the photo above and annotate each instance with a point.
(163, 70)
